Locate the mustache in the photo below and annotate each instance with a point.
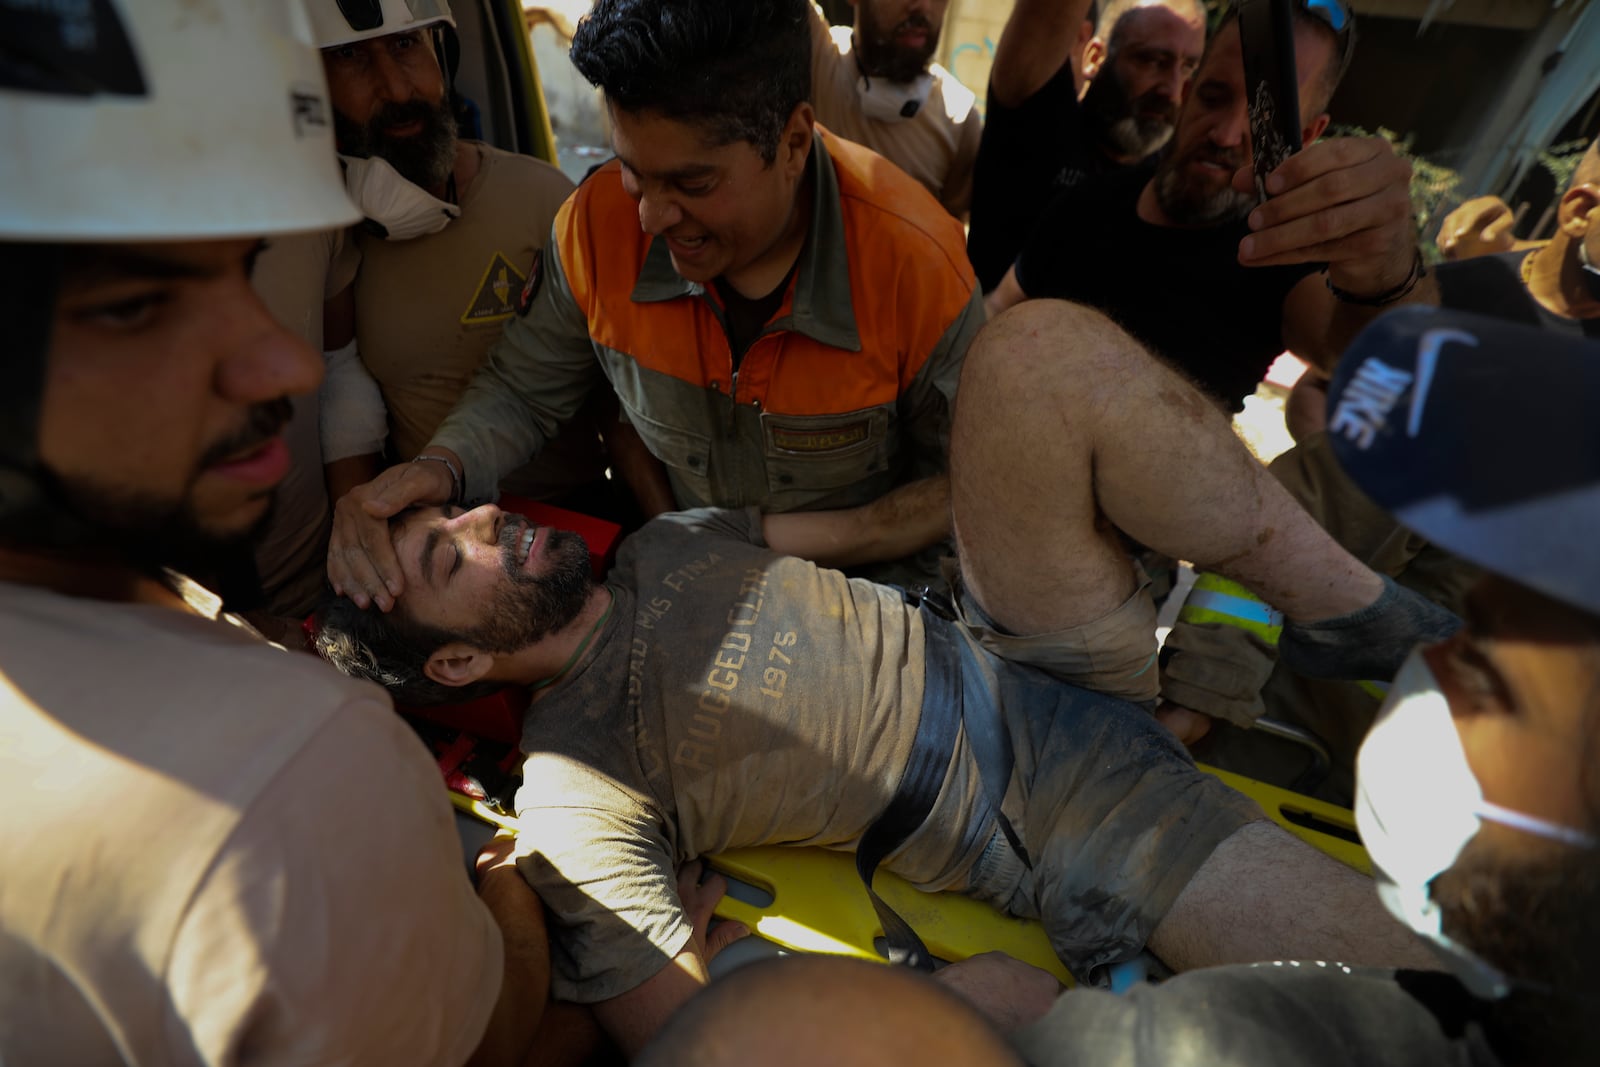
(262, 423)
(1155, 105)
(511, 540)
(399, 113)
(912, 22)
(1233, 159)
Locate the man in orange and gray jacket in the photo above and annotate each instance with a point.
(784, 324)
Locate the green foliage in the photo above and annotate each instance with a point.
(1435, 189)
(1562, 160)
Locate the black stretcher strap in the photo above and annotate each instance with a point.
(952, 696)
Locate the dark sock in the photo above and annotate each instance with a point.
(1368, 644)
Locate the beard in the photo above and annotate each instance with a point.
(528, 608)
(1130, 128)
(1537, 921)
(424, 159)
(1188, 203)
(881, 57)
(150, 532)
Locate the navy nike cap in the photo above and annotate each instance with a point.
(1484, 437)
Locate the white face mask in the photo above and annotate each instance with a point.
(889, 101)
(1418, 804)
(396, 208)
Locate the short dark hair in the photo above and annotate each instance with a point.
(389, 648)
(739, 68)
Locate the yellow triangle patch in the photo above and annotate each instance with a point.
(497, 292)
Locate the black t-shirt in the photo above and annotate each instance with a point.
(1028, 154)
(1492, 285)
(1180, 291)
(744, 317)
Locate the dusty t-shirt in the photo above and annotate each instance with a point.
(937, 146)
(428, 309)
(218, 852)
(807, 690)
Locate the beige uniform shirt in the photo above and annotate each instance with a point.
(294, 276)
(428, 309)
(218, 852)
(937, 146)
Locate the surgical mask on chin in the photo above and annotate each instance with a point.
(1591, 273)
(889, 101)
(396, 209)
(1418, 804)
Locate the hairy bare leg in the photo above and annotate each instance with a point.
(1065, 428)
(1266, 895)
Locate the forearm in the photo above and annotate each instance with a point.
(1038, 38)
(643, 473)
(895, 525)
(343, 475)
(1319, 327)
(633, 1018)
(525, 988)
(1007, 294)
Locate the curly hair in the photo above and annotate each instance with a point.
(737, 68)
(389, 648)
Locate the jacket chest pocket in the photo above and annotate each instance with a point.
(808, 453)
(687, 455)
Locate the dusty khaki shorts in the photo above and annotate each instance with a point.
(1114, 654)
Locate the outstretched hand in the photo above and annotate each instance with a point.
(1480, 227)
(1345, 201)
(1187, 725)
(700, 890)
(362, 564)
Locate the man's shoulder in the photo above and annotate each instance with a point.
(148, 672)
(901, 220)
(522, 176)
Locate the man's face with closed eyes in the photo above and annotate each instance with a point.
(492, 577)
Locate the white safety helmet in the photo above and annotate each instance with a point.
(128, 120)
(337, 22)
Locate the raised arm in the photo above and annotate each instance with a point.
(1039, 36)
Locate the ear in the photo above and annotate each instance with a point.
(1094, 57)
(1577, 209)
(795, 145)
(1319, 125)
(458, 664)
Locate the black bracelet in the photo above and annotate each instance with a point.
(1388, 296)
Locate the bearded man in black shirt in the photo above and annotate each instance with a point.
(1062, 109)
(1238, 283)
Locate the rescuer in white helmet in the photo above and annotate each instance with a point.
(214, 851)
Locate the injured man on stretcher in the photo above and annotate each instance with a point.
(714, 693)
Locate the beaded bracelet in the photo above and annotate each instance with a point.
(1388, 296)
(457, 494)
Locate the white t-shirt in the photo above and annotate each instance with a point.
(937, 146)
(218, 852)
